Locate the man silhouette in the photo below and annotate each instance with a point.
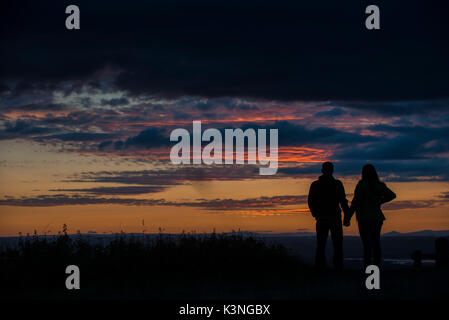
(326, 196)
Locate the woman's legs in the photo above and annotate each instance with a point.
(365, 235)
(370, 235)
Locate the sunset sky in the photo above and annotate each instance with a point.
(85, 115)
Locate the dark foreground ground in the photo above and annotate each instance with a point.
(193, 267)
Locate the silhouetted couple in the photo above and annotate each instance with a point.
(327, 198)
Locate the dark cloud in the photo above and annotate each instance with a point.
(250, 203)
(149, 138)
(400, 108)
(410, 204)
(291, 134)
(407, 142)
(22, 129)
(181, 115)
(67, 200)
(286, 50)
(233, 104)
(202, 106)
(334, 112)
(405, 170)
(115, 102)
(214, 204)
(173, 175)
(399, 148)
(104, 145)
(427, 132)
(78, 136)
(74, 119)
(34, 107)
(410, 170)
(123, 190)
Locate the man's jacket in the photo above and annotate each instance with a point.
(326, 196)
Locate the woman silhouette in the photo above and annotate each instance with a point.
(370, 193)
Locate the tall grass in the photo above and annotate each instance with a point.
(145, 264)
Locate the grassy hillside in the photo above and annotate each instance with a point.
(191, 267)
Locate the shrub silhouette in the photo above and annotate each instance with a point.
(145, 264)
(189, 266)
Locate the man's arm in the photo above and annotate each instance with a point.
(342, 198)
(354, 204)
(311, 199)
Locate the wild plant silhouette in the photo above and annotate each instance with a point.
(150, 265)
(189, 266)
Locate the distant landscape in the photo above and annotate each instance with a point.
(397, 247)
(235, 265)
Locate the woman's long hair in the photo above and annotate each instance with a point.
(369, 173)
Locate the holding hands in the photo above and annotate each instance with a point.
(347, 218)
